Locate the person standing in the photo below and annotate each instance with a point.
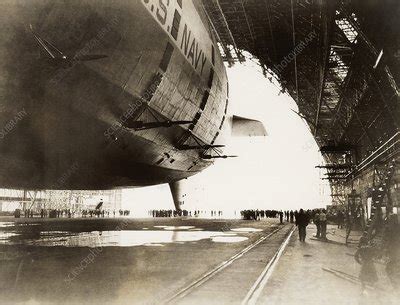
(291, 216)
(281, 217)
(340, 219)
(301, 223)
(317, 223)
(322, 222)
(364, 256)
(392, 249)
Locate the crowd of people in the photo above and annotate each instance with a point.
(186, 213)
(303, 218)
(68, 213)
(103, 213)
(168, 213)
(258, 214)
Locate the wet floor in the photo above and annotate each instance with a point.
(157, 235)
(6, 224)
(114, 261)
(56, 261)
(126, 238)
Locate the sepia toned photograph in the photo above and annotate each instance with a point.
(199, 152)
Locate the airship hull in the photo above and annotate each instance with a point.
(79, 76)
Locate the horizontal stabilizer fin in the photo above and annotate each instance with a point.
(243, 127)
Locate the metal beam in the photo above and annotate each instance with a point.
(340, 148)
(334, 166)
(226, 25)
(323, 61)
(392, 142)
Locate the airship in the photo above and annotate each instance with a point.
(105, 94)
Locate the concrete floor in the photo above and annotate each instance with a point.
(38, 272)
(158, 261)
(300, 278)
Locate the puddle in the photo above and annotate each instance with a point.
(159, 236)
(55, 232)
(118, 238)
(177, 228)
(18, 224)
(228, 239)
(4, 224)
(5, 236)
(245, 230)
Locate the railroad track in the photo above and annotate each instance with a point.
(256, 289)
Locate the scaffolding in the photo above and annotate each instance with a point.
(328, 55)
(74, 200)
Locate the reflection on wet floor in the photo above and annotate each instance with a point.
(5, 236)
(4, 224)
(228, 239)
(176, 228)
(7, 224)
(126, 238)
(246, 230)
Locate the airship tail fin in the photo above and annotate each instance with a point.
(243, 127)
(176, 188)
